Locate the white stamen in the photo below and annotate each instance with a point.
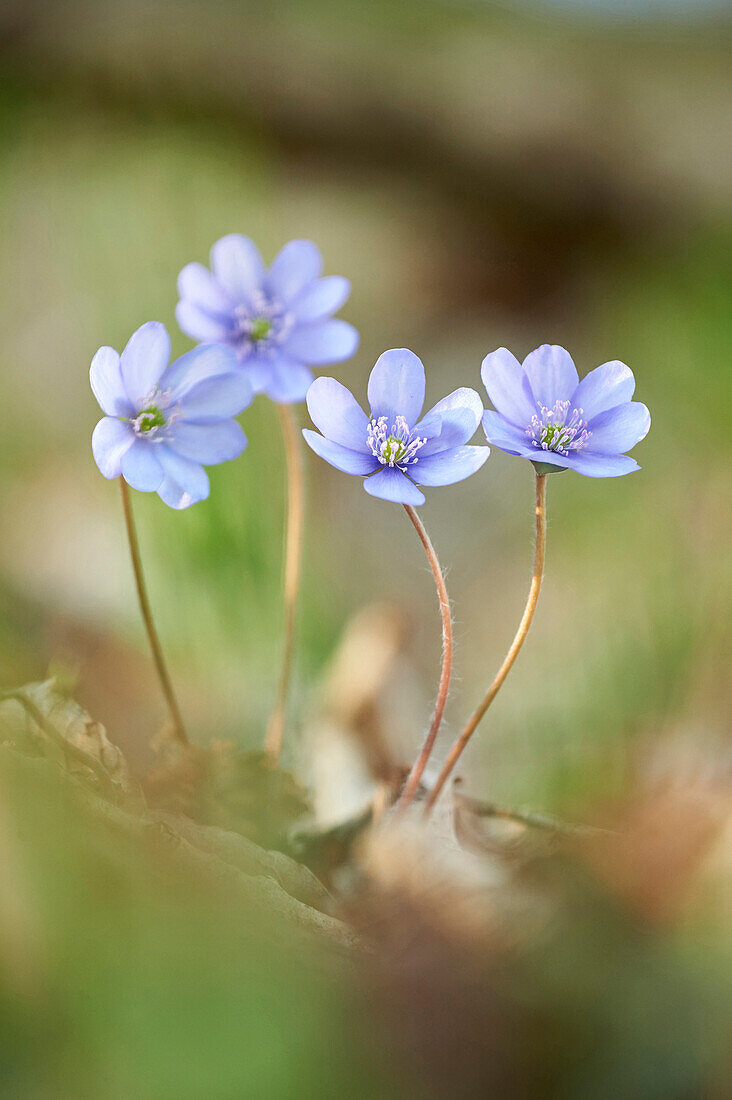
(554, 430)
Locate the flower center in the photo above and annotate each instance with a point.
(558, 429)
(259, 328)
(157, 414)
(259, 324)
(395, 445)
(149, 419)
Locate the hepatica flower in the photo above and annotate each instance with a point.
(163, 423)
(544, 413)
(278, 320)
(394, 447)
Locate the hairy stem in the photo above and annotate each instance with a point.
(291, 585)
(152, 634)
(412, 784)
(513, 652)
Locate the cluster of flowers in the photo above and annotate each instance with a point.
(262, 330)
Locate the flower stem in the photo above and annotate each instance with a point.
(152, 635)
(291, 586)
(412, 784)
(513, 652)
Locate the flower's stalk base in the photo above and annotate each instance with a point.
(160, 666)
(513, 652)
(548, 468)
(291, 583)
(413, 780)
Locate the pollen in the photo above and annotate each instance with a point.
(395, 445)
(558, 430)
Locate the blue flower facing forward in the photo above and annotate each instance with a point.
(163, 423)
(544, 413)
(392, 446)
(279, 321)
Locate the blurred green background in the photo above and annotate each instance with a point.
(485, 174)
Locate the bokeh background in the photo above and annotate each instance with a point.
(485, 173)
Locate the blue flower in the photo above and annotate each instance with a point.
(163, 423)
(392, 446)
(278, 321)
(544, 413)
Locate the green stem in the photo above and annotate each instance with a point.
(420, 763)
(514, 649)
(161, 668)
(291, 584)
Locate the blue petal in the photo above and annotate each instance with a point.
(185, 482)
(508, 387)
(336, 413)
(199, 325)
(458, 416)
(141, 468)
(321, 298)
(552, 374)
(111, 439)
(208, 444)
(294, 266)
(549, 458)
(322, 343)
(502, 434)
(105, 376)
(144, 360)
(396, 386)
(596, 465)
(201, 288)
(617, 430)
(237, 265)
(603, 388)
(256, 369)
(217, 398)
(205, 361)
(447, 467)
(343, 458)
(391, 484)
(287, 382)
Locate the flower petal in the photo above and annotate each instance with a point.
(107, 386)
(343, 458)
(208, 444)
(617, 430)
(502, 434)
(287, 381)
(604, 388)
(391, 484)
(141, 467)
(320, 298)
(237, 264)
(185, 482)
(396, 386)
(552, 374)
(447, 467)
(144, 360)
(217, 398)
(508, 387)
(205, 361)
(550, 458)
(597, 465)
(294, 266)
(456, 418)
(256, 369)
(199, 325)
(111, 439)
(336, 413)
(201, 288)
(322, 343)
